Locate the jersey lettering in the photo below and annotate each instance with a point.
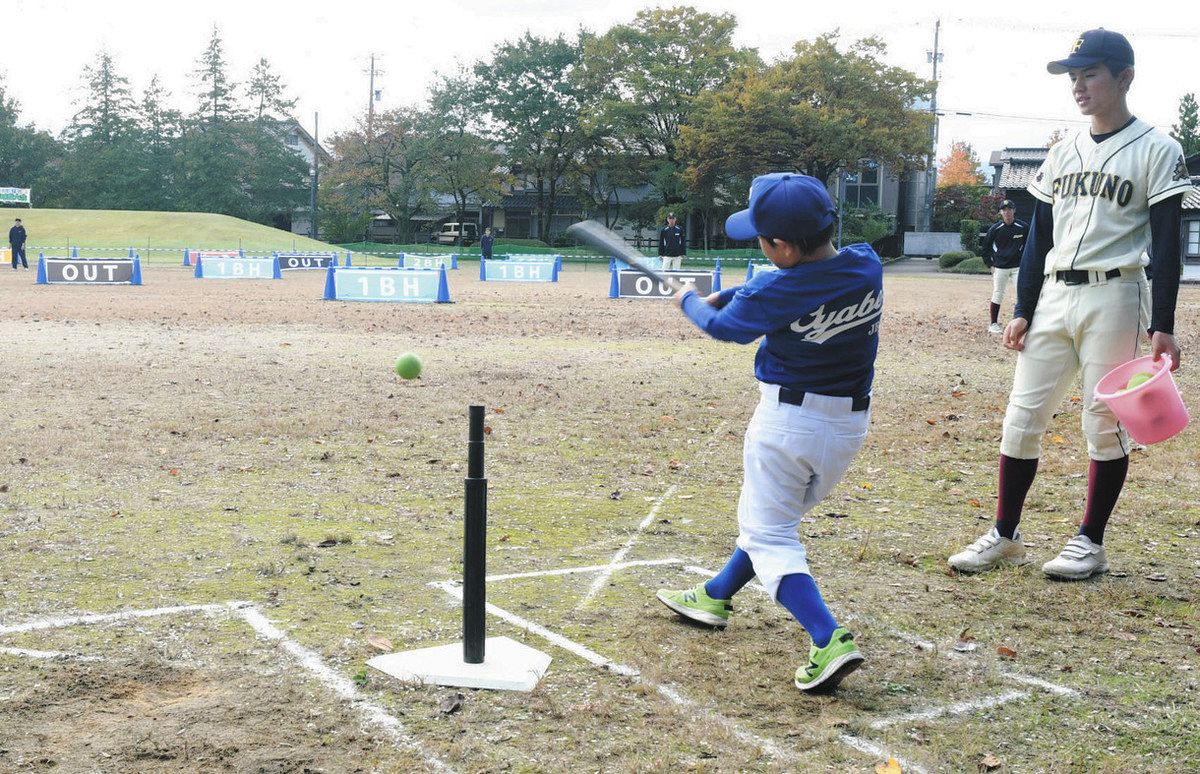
(1096, 184)
(822, 326)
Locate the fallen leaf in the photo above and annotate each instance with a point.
(674, 464)
(450, 704)
(866, 485)
(380, 643)
(1058, 439)
(498, 410)
(931, 421)
(1157, 577)
(962, 646)
(891, 767)
(504, 538)
(974, 502)
(666, 419)
(615, 495)
(1006, 652)
(990, 762)
(833, 515)
(1076, 399)
(957, 394)
(1126, 636)
(487, 429)
(883, 510)
(174, 471)
(330, 543)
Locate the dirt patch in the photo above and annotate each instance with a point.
(157, 717)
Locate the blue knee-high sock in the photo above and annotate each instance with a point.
(738, 571)
(800, 595)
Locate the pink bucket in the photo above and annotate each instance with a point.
(1153, 411)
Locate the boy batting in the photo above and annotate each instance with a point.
(818, 317)
(1104, 196)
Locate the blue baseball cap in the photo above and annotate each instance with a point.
(1095, 47)
(783, 205)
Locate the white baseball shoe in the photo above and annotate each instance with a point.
(995, 328)
(1080, 559)
(989, 552)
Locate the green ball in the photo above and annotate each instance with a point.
(408, 366)
(1139, 378)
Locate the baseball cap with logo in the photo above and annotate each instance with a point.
(1007, 204)
(783, 205)
(1095, 47)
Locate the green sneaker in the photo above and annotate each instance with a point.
(828, 665)
(697, 605)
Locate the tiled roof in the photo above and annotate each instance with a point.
(1018, 174)
(1191, 200)
(1024, 154)
(524, 201)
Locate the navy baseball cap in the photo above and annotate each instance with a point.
(783, 205)
(1007, 204)
(1095, 47)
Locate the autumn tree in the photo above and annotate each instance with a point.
(961, 167)
(649, 74)
(820, 110)
(533, 97)
(1187, 131)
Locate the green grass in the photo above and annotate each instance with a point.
(156, 236)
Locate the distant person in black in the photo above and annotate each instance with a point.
(485, 244)
(16, 240)
(671, 245)
(1002, 248)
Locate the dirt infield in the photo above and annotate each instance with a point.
(200, 442)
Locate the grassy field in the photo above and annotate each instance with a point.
(235, 464)
(160, 237)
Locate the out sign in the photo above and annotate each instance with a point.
(632, 284)
(89, 271)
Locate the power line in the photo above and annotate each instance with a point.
(985, 114)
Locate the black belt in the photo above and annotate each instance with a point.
(1081, 277)
(796, 398)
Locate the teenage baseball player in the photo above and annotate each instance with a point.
(1103, 197)
(819, 318)
(672, 247)
(1002, 249)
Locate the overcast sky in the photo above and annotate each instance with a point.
(993, 67)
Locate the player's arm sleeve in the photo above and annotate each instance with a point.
(740, 321)
(725, 296)
(1033, 260)
(1165, 262)
(989, 246)
(1167, 172)
(661, 240)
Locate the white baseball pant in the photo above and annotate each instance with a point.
(1000, 280)
(793, 456)
(1093, 328)
(672, 262)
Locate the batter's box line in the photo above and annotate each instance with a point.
(248, 612)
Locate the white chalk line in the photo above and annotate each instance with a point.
(48, 654)
(581, 570)
(602, 579)
(874, 750)
(957, 708)
(339, 685)
(594, 658)
(343, 687)
(97, 618)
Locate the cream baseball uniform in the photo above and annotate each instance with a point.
(1086, 320)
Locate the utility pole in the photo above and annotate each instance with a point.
(316, 171)
(934, 57)
(371, 99)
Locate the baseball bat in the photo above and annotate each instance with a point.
(608, 241)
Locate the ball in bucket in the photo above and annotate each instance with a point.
(408, 366)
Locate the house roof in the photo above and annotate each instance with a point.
(1017, 166)
(564, 203)
(1191, 200)
(292, 124)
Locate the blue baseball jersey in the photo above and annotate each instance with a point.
(820, 322)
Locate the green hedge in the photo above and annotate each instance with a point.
(972, 265)
(954, 258)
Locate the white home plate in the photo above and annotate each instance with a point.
(507, 666)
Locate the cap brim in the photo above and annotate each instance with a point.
(1071, 63)
(738, 226)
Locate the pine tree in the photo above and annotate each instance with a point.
(266, 93)
(1187, 131)
(216, 89)
(107, 112)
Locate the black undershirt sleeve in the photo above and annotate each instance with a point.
(1033, 260)
(1165, 265)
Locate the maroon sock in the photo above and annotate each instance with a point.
(995, 312)
(1105, 481)
(1016, 476)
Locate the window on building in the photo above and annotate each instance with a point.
(1193, 239)
(862, 187)
(293, 140)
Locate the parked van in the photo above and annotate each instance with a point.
(450, 233)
